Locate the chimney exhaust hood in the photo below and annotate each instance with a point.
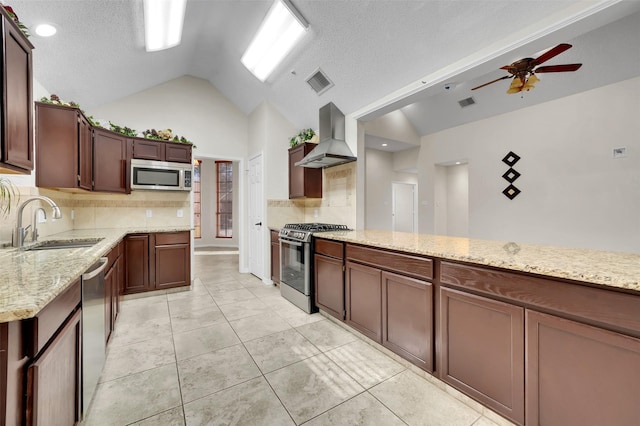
(332, 150)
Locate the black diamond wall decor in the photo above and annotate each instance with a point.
(511, 158)
(511, 192)
(511, 175)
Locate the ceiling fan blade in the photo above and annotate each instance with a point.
(551, 53)
(558, 68)
(491, 82)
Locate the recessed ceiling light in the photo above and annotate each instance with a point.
(385, 144)
(45, 30)
(163, 21)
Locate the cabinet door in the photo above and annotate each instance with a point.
(17, 118)
(108, 296)
(580, 375)
(85, 153)
(178, 153)
(118, 281)
(303, 182)
(329, 280)
(53, 380)
(172, 266)
(136, 254)
(364, 299)
(482, 351)
(110, 162)
(407, 318)
(149, 150)
(275, 262)
(57, 146)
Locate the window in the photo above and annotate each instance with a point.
(224, 209)
(197, 200)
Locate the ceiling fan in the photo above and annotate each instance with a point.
(524, 71)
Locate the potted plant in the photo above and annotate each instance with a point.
(305, 135)
(8, 192)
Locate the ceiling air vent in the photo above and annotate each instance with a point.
(466, 102)
(319, 82)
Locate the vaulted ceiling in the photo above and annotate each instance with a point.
(369, 49)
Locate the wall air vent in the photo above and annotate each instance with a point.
(466, 102)
(319, 82)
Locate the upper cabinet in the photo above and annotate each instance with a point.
(303, 182)
(73, 155)
(161, 151)
(16, 154)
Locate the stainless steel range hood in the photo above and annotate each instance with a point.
(332, 150)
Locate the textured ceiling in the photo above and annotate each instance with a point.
(367, 48)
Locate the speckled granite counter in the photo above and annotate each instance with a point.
(611, 269)
(29, 280)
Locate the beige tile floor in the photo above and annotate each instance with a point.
(231, 351)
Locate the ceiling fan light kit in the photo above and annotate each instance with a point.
(523, 71)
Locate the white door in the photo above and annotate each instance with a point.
(404, 206)
(256, 250)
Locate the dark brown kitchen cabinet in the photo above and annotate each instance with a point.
(157, 261)
(12, 363)
(16, 134)
(172, 260)
(303, 182)
(407, 318)
(578, 374)
(329, 277)
(162, 151)
(110, 162)
(363, 299)
(136, 252)
(275, 257)
(112, 286)
(64, 148)
(482, 351)
(53, 379)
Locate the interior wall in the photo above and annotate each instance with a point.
(457, 181)
(574, 193)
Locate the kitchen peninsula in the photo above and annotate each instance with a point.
(41, 306)
(541, 335)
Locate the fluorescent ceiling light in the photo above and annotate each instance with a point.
(281, 29)
(45, 30)
(163, 21)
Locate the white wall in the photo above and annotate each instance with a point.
(191, 107)
(573, 192)
(380, 175)
(393, 125)
(457, 181)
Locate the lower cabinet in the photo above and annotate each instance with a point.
(329, 277)
(578, 374)
(407, 318)
(363, 290)
(157, 261)
(53, 379)
(275, 257)
(113, 287)
(482, 351)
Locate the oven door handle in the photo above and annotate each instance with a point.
(290, 242)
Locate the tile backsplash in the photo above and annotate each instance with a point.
(338, 203)
(98, 210)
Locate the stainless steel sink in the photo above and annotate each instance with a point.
(64, 244)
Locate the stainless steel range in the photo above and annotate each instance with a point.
(296, 262)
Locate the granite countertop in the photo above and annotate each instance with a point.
(611, 269)
(30, 279)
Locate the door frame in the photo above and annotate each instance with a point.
(247, 221)
(415, 203)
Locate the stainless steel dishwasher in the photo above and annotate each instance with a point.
(93, 338)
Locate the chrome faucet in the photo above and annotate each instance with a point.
(20, 233)
(34, 224)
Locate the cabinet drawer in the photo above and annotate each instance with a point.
(407, 264)
(45, 324)
(167, 238)
(329, 248)
(614, 310)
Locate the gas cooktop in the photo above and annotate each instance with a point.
(303, 231)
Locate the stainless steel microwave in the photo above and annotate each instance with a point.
(161, 175)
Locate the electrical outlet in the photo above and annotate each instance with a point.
(620, 152)
(315, 213)
(149, 213)
(73, 214)
(180, 213)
